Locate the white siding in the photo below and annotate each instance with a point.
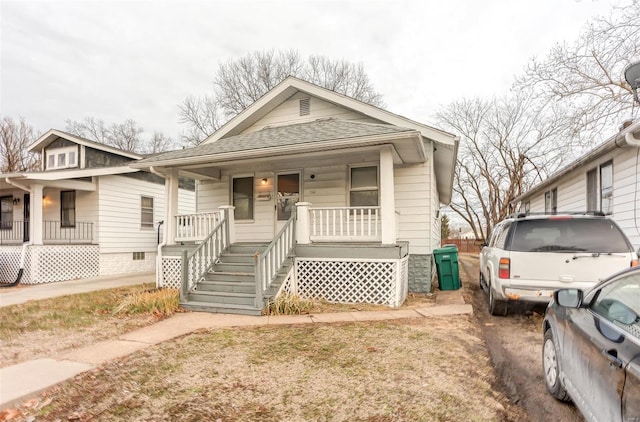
(119, 214)
(289, 113)
(414, 201)
(572, 194)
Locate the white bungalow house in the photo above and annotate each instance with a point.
(605, 179)
(311, 192)
(85, 213)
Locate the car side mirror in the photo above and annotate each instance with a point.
(570, 298)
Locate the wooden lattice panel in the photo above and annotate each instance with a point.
(9, 263)
(171, 277)
(348, 281)
(62, 262)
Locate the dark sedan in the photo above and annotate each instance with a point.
(591, 348)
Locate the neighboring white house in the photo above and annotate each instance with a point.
(605, 179)
(338, 198)
(85, 213)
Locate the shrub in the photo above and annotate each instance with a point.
(288, 304)
(159, 302)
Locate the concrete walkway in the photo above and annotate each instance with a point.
(25, 292)
(24, 380)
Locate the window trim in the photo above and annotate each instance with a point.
(364, 189)
(252, 198)
(55, 154)
(145, 211)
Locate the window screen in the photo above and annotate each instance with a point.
(243, 198)
(146, 211)
(68, 208)
(364, 186)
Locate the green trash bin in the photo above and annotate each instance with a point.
(447, 267)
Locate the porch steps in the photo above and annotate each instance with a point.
(230, 286)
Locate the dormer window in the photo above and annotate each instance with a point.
(62, 158)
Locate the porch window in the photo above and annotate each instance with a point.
(6, 212)
(364, 186)
(606, 188)
(68, 208)
(243, 198)
(146, 212)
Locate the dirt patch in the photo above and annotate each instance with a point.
(515, 345)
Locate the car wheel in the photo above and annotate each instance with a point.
(551, 368)
(483, 283)
(496, 306)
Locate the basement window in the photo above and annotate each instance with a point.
(138, 256)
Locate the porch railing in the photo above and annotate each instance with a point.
(191, 227)
(196, 264)
(340, 224)
(55, 232)
(269, 262)
(11, 232)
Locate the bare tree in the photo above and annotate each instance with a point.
(15, 137)
(587, 76)
(90, 128)
(126, 136)
(159, 143)
(239, 83)
(507, 145)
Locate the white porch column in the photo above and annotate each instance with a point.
(228, 212)
(302, 223)
(387, 197)
(171, 206)
(36, 215)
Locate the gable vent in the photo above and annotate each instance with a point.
(304, 107)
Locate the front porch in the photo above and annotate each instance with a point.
(330, 253)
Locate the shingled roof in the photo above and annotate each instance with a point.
(296, 134)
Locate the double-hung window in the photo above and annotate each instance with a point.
(606, 188)
(551, 201)
(600, 188)
(146, 212)
(363, 189)
(242, 192)
(6, 212)
(68, 208)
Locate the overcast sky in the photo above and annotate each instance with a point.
(116, 60)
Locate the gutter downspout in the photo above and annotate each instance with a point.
(163, 243)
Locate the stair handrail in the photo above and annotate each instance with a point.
(196, 264)
(269, 262)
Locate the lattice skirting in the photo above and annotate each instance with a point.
(45, 264)
(170, 275)
(352, 281)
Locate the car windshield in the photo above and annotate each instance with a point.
(569, 235)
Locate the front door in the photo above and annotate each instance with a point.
(25, 217)
(287, 194)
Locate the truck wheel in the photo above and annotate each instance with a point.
(496, 306)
